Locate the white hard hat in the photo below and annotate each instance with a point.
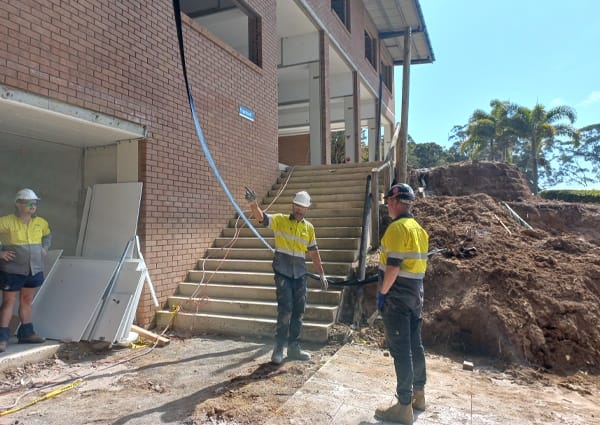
(302, 198)
(26, 194)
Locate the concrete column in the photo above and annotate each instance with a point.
(371, 138)
(319, 115)
(314, 111)
(350, 125)
(388, 132)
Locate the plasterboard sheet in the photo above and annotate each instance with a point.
(71, 295)
(116, 308)
(110, 319)
(111, 220)
(84, 219)
(125, 328)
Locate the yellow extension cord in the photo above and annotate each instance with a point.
(44, 397)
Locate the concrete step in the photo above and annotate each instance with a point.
(241, 278)
(251, 308)
(362, 167)
(318, 200)
(265, 266)
(284, 204)
(324, 232)
(252, 292)
(201, 323)
(258, 253)
(318, 222)
(330, 210)
(289, 192)
(254, 242)
(309, 181)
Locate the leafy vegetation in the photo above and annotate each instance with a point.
(543, 143)
(572, 195)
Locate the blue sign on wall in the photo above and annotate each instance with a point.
(246, 113)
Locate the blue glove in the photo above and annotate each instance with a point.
(380, 300)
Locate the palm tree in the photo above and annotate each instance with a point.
(491, 132)
(540, 131)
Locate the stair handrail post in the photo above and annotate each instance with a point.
(374, 234)
(365, 231)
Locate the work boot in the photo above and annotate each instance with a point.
(277, 356)
(295, 353)
(27, 335)
(418, 400)
(399, 413)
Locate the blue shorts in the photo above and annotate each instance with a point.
(15, 282)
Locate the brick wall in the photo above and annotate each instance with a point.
(294, 150)
(121, 58)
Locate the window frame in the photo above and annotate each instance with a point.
(371, 49)
(254, 36)
(345, 10)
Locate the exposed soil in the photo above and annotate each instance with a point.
(501, 289)
(525, 300)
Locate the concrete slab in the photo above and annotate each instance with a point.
(16, 355)
(351, 385)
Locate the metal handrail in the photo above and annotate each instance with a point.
(362, 255)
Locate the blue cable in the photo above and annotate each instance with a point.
(207, 154)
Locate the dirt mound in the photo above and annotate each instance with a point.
(504, 290)
(499, 180)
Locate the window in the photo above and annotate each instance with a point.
(371, 49)
(233, 21)
(342, 9)
(386, 75)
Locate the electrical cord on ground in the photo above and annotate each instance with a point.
(71, 383)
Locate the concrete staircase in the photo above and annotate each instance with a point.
(232, 290)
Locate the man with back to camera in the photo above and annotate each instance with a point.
(402, 265)
(24, 241)
(294, 235)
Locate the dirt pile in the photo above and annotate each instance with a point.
(501, 289)
(499, 180)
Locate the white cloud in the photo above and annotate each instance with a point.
(592, 99)
(557, 101)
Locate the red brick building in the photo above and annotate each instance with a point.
(92, 92)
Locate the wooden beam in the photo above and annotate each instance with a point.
(147, 336)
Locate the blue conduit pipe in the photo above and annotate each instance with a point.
(211, 162)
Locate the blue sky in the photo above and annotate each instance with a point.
(523, 51)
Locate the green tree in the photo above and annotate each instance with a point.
(581, 163)
(338, 147)
(426, 155)
(491, 133)
(540, 132)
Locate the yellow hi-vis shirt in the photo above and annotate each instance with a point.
(293, 239)
(27, 241)
(405, 244)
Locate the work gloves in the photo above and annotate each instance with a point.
(380, 301)
(250, 194)
(324, 282)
